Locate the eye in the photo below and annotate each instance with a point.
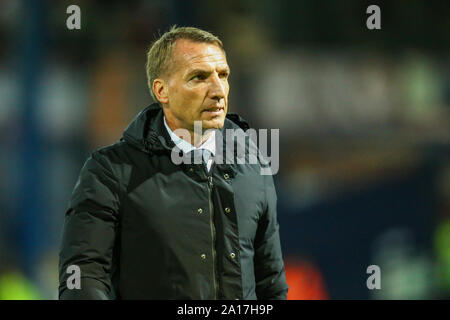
(224, 75)
(199, 77)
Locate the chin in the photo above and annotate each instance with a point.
(213, 123)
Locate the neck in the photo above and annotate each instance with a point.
(194, 138)
(198, 139)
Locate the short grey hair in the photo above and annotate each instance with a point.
(160, 51)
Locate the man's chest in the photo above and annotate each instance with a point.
(180, 204)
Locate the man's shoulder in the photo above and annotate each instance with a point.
(109, 150)
(111, 160)
(116, 154)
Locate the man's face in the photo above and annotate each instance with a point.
(197, 86)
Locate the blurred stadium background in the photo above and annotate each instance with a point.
(364, 120)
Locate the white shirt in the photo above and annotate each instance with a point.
(186, 147)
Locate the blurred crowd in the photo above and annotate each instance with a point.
(364, 118)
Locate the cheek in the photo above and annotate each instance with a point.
(193, 98)
(187, 93)
(227, 91)
(189, 102)
(179, 96)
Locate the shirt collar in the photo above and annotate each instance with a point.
(186, 147)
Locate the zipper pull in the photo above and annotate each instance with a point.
(146, 147)
(210, 181)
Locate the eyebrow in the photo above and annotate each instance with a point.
(203, 71)
(198, 71)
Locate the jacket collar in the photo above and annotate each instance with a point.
(148, 133)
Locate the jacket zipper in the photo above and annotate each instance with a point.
(213, 236)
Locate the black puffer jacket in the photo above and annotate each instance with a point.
(141, 227)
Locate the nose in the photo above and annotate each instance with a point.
(217, 88)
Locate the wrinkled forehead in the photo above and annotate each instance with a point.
(188, 54)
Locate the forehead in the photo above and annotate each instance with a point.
(188, 54)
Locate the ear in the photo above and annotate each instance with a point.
(160, 90)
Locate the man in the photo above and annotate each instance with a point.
(139, 226)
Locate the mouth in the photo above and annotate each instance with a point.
(214, 110)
